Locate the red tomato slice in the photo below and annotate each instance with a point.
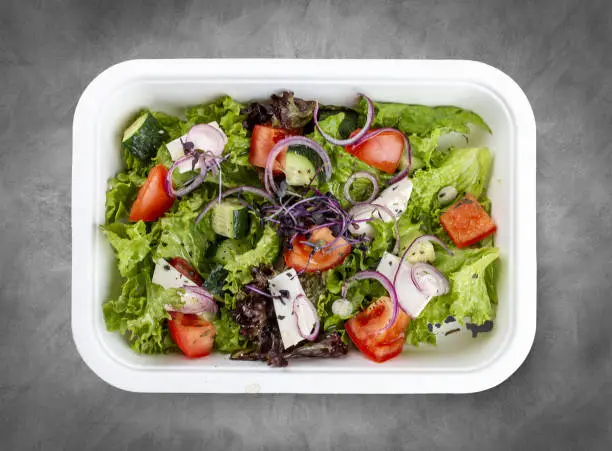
(192, 334)
(382, 151)
(299, 257)
(263, 139)
(152, 200)
(183, 266)
(364, 330)
(467, 222)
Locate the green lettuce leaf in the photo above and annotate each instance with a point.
(472, 275)
(139, 314)
(421, 119)
(228, 338)
(138, 311)
(465, 169)
(172, 125)
(239, 269)
(132, 244)
(121, 194)
(181, 237)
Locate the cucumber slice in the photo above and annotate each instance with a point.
(230, 219)
(144, 137)
(301, 164)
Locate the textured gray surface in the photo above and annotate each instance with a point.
(560, 52)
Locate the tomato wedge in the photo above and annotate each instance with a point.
(364, 330)
(301, 256)
(183, 266)
(152, 200)
(467, 222)
(192, 334)
(383, 151)
(263, 139)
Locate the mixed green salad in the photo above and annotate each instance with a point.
(286, 228)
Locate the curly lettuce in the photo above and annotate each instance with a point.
(421, 119)
(239, 268)
(472, 275)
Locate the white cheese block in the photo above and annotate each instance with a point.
(175, 148)
(166, 276)
(285, 288)
(410, 298)
(395, 198)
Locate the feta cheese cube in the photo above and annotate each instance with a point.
(285, 288)
(395, 198)
(167, 276)
(410, 298)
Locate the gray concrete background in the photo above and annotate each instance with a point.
(560, 52)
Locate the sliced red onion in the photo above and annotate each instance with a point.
(207, 137)
(431, 238)
(231, 191)
(386, 283)
(293, 141)
(205, 302)
(188, 187)
(362, 175)
(429, 280)
(302, 302)
(354, 139)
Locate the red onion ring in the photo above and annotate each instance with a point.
(169, 185)
(354, 139)
(206, 302)
(291, 141)
(206, 137)
(417, 240)
(421, 272)
(231, 191)
(311, 335)
(355, 176)
(386, 283)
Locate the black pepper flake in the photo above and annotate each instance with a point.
(474, 276)
(438, 325)
(449, 319)
(452, 331)
(390, 263)
(281, 317)
(422, 252)
(284, 293)
(429, 327)
(167, 267)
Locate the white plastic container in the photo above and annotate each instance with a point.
(462, 364)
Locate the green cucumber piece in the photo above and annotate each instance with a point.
(230, 219)
(301, 164)
(144, 137)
